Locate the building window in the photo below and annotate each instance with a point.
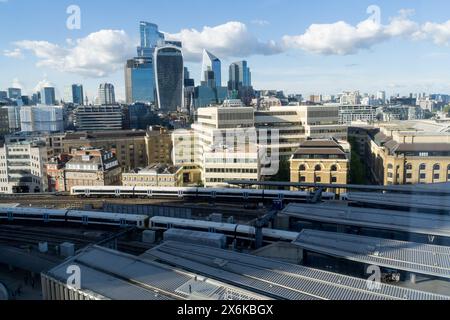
(436, 167)
(334, 168)
(390, 167)
(318, 179)
(302, 167)
(302, 179)
(409, 166)
(334, 179)
(318, 168)
(436, 176)
(409, 176)
(423, 176)
(423, 166)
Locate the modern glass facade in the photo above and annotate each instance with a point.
(239, 76)
(48, 96)
(150, 38)
(106, 94)
(140, 80)
(77, 94)
(14, 93)
(169, 69)
(211, 63)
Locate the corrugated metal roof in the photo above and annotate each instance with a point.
(411, 222)
(116, 275)
(277, 279)
(416, 201)
(407, 256)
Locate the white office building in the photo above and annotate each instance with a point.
(22, 168)
(42, 118)
(237, 143)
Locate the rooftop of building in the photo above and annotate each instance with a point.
(274, 278)
(325, 147)
(109, 274)
(116, 134)
(156, 169)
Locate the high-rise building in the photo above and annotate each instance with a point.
(104, 117)
(239, 76)
(169, 69)
(3, 95)
(211, 69)
(42, 118)
(77, 94)
(140, 80)
(48, 96)
(150, 38)
(14, 93)
(106, 95)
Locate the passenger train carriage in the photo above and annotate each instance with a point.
(258, 195)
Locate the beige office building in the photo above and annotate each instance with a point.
(155, 175)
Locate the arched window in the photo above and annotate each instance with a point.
(318, 168)
(436, 167)
(333, 168)
(390, 166)
(302, 167)
(409, 166)
(423, 166)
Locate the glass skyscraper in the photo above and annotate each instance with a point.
(239, 76)
(140, 80)
(169, 69)
(211, 64)
(77, 94)
(106, 94)
(14, 93)
(48, 96)
(150, 38)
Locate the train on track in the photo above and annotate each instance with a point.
(143, 222)
(194, 193)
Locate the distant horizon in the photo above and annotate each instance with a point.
(291, 46)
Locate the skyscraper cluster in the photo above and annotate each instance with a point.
(155, 76)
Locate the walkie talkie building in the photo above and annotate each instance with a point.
(169, 71)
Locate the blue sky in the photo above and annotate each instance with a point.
(407, 52)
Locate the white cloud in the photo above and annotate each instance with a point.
(341, 38)
(260, 23)
(231, 39)
(16, 53)
(97, 55)
(42, 84)
(439, 33)
(16, 83)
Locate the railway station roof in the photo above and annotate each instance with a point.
(274, 278)
(112, 275)
(398, 255)
(411, 222)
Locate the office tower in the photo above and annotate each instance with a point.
(14, 93)
(189, 90)
(140, 80)
(106, 95)
(104, 117)
(150, 38)
(48, 96)
(3, 95)
(26, 100)
(41, 118)
(211, 69)
(239, 76)
(77, 94)
(169, 71)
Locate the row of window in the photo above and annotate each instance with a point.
(223, 170)
(318, 168)
(423, 166)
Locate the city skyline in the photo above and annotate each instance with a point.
(352, 54)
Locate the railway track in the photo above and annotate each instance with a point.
(20, 235)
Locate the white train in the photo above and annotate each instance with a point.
(229, 229)
(197, 193)
(73, 217)
(93, 218)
